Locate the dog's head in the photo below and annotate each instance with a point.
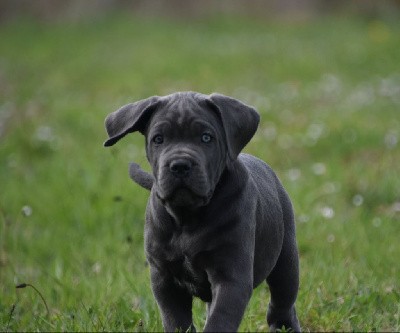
(190, 138)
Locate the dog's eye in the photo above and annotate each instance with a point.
(158, 139)
(206, 138)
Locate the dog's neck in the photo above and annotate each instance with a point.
(183, 216)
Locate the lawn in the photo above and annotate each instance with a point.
(71, 221)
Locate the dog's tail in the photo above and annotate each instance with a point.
(141, 177)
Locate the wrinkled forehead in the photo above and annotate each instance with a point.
(182, 111)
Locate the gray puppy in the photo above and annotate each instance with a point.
(218, 222)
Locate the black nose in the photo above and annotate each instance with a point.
(180, 167)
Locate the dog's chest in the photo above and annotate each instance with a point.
(184, 263)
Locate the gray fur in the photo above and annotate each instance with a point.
(140, 176)
(218, 222)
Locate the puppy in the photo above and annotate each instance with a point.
(218, 222)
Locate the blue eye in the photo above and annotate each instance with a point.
(158, 139)
(206, 138)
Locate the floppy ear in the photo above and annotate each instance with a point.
(240, 122)
(129, 118)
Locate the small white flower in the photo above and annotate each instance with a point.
(330, 188)
(391, 140)
(376, 222)
(319, 169)
(327, 212)
(294, 174)
(27, 210)
(96, 268)
(315, 131)
(285, 141)
(269, 132)
(303, 218)
(395, 208)
(330, 84)
(363, 95)
(330, 238)
(358, 200)
(44, 134)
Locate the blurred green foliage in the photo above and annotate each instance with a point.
(71, 221)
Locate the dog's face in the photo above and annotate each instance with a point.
(190, 138)
(186, 148)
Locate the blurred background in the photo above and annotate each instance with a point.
(325, 78)
(289, 9)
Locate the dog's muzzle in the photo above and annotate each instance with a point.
(183, 182)
(180, 168)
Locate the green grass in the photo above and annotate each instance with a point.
(71, 221)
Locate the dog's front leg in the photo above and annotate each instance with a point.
(175, 304)
(229, 301)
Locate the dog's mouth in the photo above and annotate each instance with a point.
(184, 197)
(192, 190)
